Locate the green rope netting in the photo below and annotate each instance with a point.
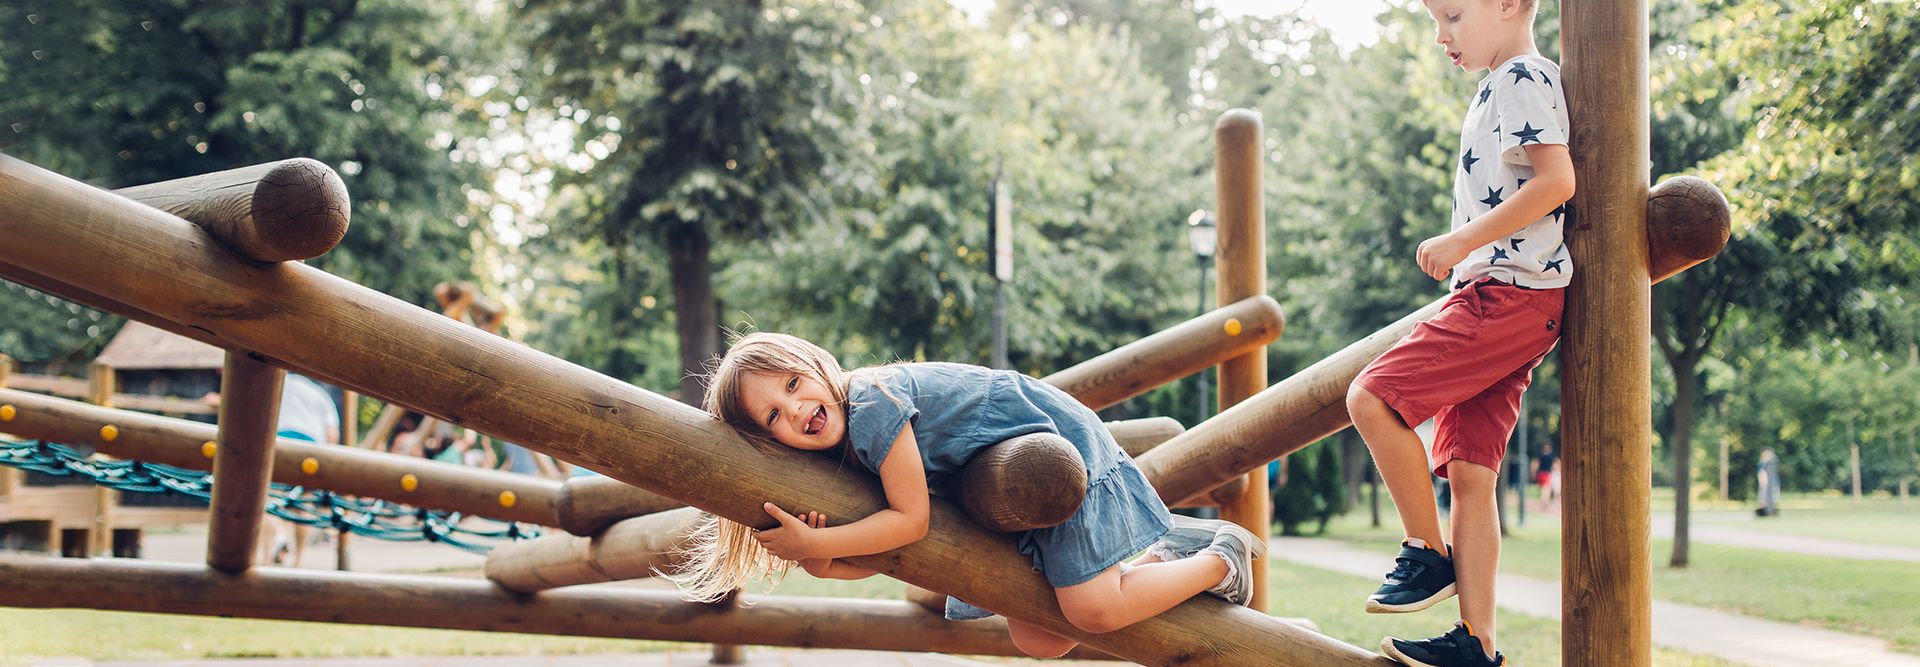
(374, 518)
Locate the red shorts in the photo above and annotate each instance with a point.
(1467, 367)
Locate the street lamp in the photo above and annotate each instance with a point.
(1202, 235)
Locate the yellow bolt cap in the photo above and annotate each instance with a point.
(6, 413)
(408, 482)
(208, 449)
(310, 466)
(109, 432)
(1233, 326)
(507, 498)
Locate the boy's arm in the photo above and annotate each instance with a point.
(903, 522)
(1551, 186)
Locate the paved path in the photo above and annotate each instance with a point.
(1740, 639)
(1715, 532)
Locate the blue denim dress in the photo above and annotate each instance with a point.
(956, 410)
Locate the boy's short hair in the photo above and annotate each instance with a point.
(1529, 5)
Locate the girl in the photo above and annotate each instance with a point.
(915, 425)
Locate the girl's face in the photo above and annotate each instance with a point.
(1472, 31)
(798, 411)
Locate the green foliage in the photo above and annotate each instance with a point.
(121, 93)
(1313, 490)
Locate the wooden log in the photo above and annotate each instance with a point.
(475, 604)
(382, 429)
(249, 420)
(101, 383)
(1688, 222)
(631, 549)
(1136, 436)
(9, 477)
(182, 443)
(380, 345)
(1311, 404)
(1239, 146)
(1187, 348)
(1606, 402)
(1024, 483)
(588, 505)
(275, 212)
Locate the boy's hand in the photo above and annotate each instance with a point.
(794, 540)
(1438, 255)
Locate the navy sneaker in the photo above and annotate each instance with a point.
(1421, 577)
(1457, 648)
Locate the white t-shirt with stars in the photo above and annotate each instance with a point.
(1518, 104)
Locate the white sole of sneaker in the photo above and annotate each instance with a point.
(1377, 607)
(1394, 654)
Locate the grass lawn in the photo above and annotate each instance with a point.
(1878, 520)
(1872, 598)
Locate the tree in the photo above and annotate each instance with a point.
(725, 115)
(1820, 177)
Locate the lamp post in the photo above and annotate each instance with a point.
(1201, 234)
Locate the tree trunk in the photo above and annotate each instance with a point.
(689, 258)
(1685, 387)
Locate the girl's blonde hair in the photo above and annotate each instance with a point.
(721, 556)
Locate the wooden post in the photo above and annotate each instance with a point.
(1240, 326)
(9, 477)
(410, 480)
(1606, 377)
(349, 434)
(249, 420)
(274, 212)
(1242, 274)
(101, 385)
(379, 345)
(630, 549)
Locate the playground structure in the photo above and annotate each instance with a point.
(89, 246)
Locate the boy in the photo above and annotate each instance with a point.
(1467, 367)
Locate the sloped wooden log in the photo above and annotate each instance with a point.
(275, 212)
(104, 244)
(1311, 404)
(630, 549)
(191, 444)
(249, 418)
(476, 604)
(1187, 348)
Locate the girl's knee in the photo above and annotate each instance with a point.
(1094, 618)
(1038, 643)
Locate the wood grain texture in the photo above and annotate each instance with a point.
(249, 420)
(1241, 272)
(275, 212)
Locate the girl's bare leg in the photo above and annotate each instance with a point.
(1033, 641)
(1114, 600)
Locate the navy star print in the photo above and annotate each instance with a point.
(1493, 197)
(1499, 253)
(1520, 71)
(1558, 212)
(1484, 92)
(1554, 265)
(1466, 161)
(1516, 243)
(1528, 134)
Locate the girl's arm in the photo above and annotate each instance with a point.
(903, 522)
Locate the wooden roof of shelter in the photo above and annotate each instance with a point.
(142, 347)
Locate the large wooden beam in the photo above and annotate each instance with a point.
(105, 244)
(476, 604)
(1239, 146)
(275, 212)
(1606, 403)
(189, 444)
(1238, 327)
(249, 419)
(1311, 404)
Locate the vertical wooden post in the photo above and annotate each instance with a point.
(349, 434)
(249, 418)
(101, 385)
(1242, 273)
(1606, 386)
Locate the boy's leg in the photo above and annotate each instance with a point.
(1402, 460)
(1476, 539)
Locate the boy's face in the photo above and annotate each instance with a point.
(798, 411)
(1475, 32)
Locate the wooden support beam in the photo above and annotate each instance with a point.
(383, 346)
(249, 422)
(185, 444)
(275, 212)
(630, 549)
(1606, 403)
(424, 602)
(1311, 404)
(1688, 222)
(1136, 436)
(1242, 273)
(101, 383)
(9, 477)
(1236, 328)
